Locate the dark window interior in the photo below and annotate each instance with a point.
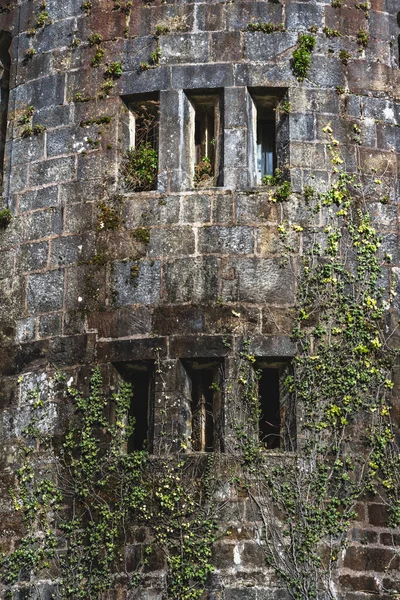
(398, 37)
(205, 404)
(204, 131)
(5, 62)
(207, 136)
(146, 113)
(140, 376)
(270, 418)
(266, 157)
(266, 135)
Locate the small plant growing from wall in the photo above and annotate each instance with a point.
(203, 172)
(301, 60)
(5, 218)
(139, 166)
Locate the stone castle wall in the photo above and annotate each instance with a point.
(183, 261)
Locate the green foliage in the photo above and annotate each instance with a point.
(139, 167)
(109, 494)
(203, 172)
(282, 190)
(109, 214)
(43, 19)
(265, 27)
(331, 32)
(365, 7)
(162, 30)
(26, 116)
(341, 383)
(362, 39)
(142, 235)
(301, 60)
(337, 3)
(5, 217)
(155, 56)
(97, 58)
(95, 39)
(113, 70)
(86, 7)
(101, 120)
(79, 97)
(344, 56)
(30, 53)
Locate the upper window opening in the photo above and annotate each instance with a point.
(205, 383)
(266, 136)
(398, 37)
(277, 422)
(140, 377)
(140, 163)
(5, 63)
(206, 141)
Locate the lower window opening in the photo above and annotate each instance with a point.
(270, 417)
(205, 405)
(140, 377)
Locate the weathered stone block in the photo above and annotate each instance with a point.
(26, 329)
(123, 322)
(41, 93)
(235, 148)
(378, 515)
(146, 81)
(141, 210)
(211, 18)
(43, 223)
(196, 209)
(274, 283)
(70, 350)
(302, 127)
(70, 140)
(52, 171)
(364, 583)
(190, 280)
(364, 558)
(45, 291)
(223, 209)
(185, 48)
(72, 249)
(226, 46)
(34, 256)
(261, 47)
(40, 198)
(78, 218)
(136, 283)
(49, 325)
(209, 76)
(243, 13)
(25, 150)
(172, 241)
(226, 240)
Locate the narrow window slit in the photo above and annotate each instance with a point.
(205, 405)
(205, 146)
(140, 376)
(277, 422)
(140, 163)
(5, 64)
(270, 418)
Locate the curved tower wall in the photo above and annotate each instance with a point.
(182, 261)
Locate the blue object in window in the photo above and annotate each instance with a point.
(265, 148)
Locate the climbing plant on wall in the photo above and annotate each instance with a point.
(341, 387)
(82, 514)
(81, 520)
